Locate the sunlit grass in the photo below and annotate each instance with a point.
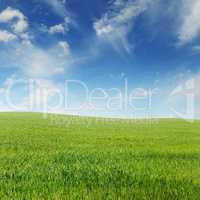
(65, 157)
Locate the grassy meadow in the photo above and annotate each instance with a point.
(66, 157)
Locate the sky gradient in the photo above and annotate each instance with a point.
(148, 50)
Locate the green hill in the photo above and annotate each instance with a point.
(68, 157)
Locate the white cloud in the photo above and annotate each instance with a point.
(59, 28)
(190, 23)
(34, 62)
(65, 47)
(59, 8)
(19, 25)
(115, 24)
(6, 36)
(37, 63)
(9, 13)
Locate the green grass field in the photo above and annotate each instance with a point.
(63, 157)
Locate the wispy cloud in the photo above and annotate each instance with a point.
(65, 47)
(35, 62)
(58, 6)
(42, 64)
(118, 21)
(190, 23)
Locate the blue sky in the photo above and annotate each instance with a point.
(151, 44)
